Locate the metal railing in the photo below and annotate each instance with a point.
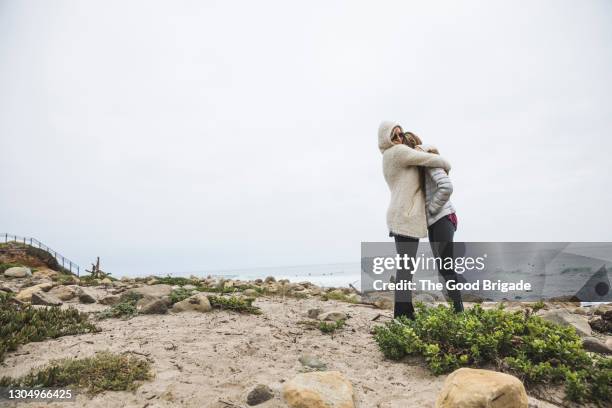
(66, 263)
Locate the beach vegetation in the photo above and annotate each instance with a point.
(125, 309)
(521, 343)
(103, 372)
(22, 323)
(234, 303)
(331, 327)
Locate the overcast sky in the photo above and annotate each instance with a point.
(170, 136)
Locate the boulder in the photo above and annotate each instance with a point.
(314, 313)
(86, 295)
(319, 389)
(159, 290)
(64, 292)
(110, 300)
(383, 303)
(565, 318)
(595, 345)
(601, 325)
(250, 293)
(106, 282)
(312, 362)
(198, 303)
(151, 305)
(25, 295)
(259, 394)
(45, 299)
(333, 316)
(18, 272)
(45, 273)
(475, 388)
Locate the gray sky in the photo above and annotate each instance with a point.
(172, 136)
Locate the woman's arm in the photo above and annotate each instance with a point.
(406, 156)
(444, 189)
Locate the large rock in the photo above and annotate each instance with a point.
(151, 305)
(474, 388)
(259, 394)
(25, 295)
(321, 389)
(109, 300)
(565, 318)
(595, 345)
(87, 295)
(333, 316)
(64, 292)
(197, 303)
(18, 272)
(45, 299)
(45, 273)
(159, 290)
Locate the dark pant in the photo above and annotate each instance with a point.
(403, 298)
(441, 235)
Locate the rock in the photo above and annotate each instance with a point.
(475, 388)
(354, 298)
(270, 279)
(595, 345)
(333, 316)
(319, 389)
(151, 305)
(110, 300)
(64, 293)
(310, 361)
(159, 290)
(314, 313)
(383, 303)
(601, 325)
(87, 296)
(602, 309)
(18, 272)
(45, 273)
(45, 299)
(259, 394)
(25, 295)
(106, 282)
(190, 287)
(4, 288)
(536, 403)
(198, 303)
(250, 293)
(565, 318)
(152, 281)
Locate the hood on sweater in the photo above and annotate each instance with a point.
(384, 134)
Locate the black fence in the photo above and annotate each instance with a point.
(62, 260)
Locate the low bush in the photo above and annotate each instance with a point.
(521, 343)
(179, 294)
(21, 324)
(331, 327)
(103, 372)
(234, 303)
(126, 308)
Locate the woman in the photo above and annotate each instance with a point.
(441, 216)
(406, 217)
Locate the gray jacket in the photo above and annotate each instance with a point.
(438, 189)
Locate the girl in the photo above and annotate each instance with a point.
(406, 216)
(441, 217)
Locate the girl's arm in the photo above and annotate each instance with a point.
(406, 156)
(444, 189)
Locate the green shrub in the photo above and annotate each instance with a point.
(234, 303)
(331, 327)
(534, 350)
(179, 294)
(126, 308)
(103, 372)
(21, 324)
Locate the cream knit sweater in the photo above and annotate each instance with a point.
(406, 213)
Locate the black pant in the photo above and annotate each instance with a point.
(441, 235)
(403, 298)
